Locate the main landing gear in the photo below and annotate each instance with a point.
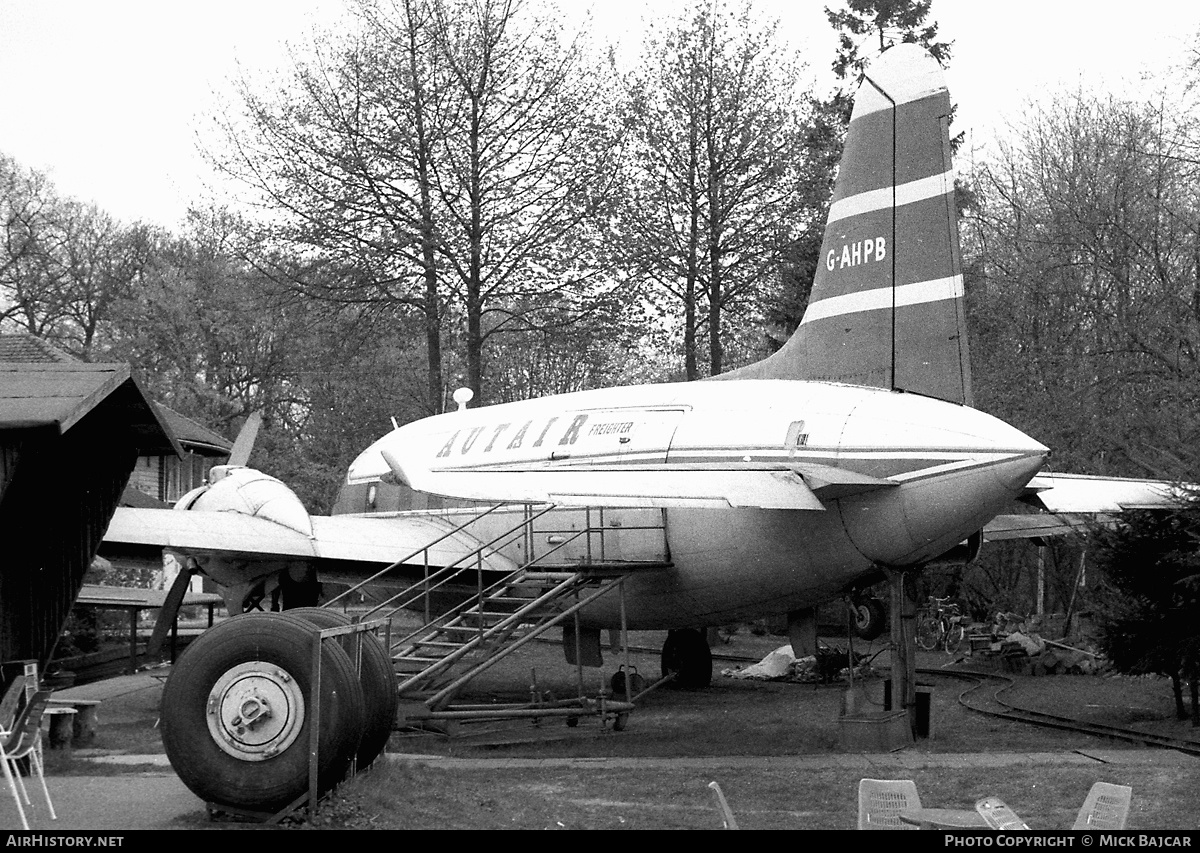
(686, 655)
(869, 616)
(239, 709)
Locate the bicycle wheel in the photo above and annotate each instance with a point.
(929, 631)
(954, 637)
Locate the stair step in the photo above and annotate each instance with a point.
(417, 659)
(439, 649)
(546, 577)
(499, 605)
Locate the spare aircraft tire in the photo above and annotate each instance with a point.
(870, 617)
(236, 712)
(376, 675)
(686, 655)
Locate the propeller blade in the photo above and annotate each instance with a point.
(244, 443)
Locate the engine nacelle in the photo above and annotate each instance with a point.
(238, 489)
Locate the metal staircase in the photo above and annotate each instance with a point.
(497, 613)
(438, 659)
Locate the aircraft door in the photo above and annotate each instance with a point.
(627, 436)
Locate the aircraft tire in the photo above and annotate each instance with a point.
(685, 654)
(376, 675)
(870, 618)
(236, 712)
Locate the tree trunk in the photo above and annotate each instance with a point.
(432, 304)
(475, 270)
(690, 366)
(1177, 687)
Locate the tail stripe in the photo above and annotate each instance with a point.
(918, 293)
(882, 199)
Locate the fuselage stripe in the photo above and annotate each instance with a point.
(879, 298)
(881, 199)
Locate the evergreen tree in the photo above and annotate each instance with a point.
(1148, 602)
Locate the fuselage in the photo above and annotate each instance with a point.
(898, 478)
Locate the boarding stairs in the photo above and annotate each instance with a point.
(506, 611)
(438, 659)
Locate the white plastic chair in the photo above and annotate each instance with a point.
(727, 818)
(22, 742)
(1106, 807)
(10, 702)
(880, 802)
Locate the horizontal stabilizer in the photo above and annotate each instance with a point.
(1074, 503)
(829, 483)
(1080, 493)
(1037, 525)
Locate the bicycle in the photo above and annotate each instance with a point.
(940, 624)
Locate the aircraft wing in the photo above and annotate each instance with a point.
(383, 539)
(1071, 503)
(770, 486)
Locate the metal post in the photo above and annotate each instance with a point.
(314, 728)
(1041, 580)
(133, 640)
(428, 619)
(625, 641)
(578, 650)
(479, 591)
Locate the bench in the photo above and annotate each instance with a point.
(82, 715)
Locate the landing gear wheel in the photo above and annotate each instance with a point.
(376, 675)
(870, 617)
(686, 655)
(236, 713)
(621, 721)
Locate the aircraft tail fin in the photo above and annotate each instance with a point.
(886, 308)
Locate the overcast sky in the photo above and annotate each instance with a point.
(106, 95)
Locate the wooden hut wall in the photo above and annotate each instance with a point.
(53, 514)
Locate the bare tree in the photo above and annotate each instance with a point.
(713, 196)
(64, 263)
(445, 158)
(1083, 265)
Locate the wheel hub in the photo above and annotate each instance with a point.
(255, 710)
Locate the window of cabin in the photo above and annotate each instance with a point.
(180, 476)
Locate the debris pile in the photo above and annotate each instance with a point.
(1020, 649)
(826, 666)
